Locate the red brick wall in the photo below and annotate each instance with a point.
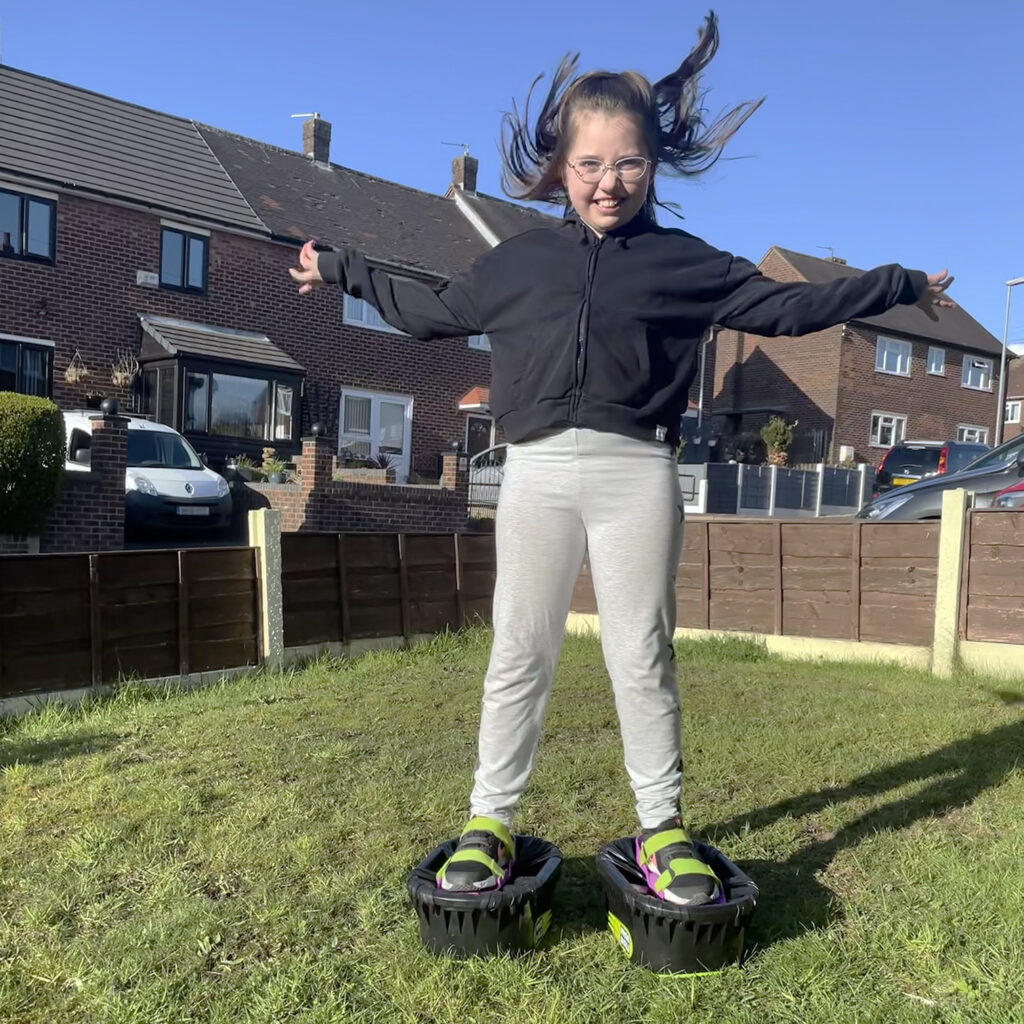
(800, 375)
(319, 503)
(934, 405)
(89, 512)
(89, 300)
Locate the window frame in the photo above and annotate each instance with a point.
(961, 428)
(187, 236)
(376, 397)
(378, 324)
(37, 344)
(969, 360)
(1006, 412)
(25, 256)
(881, 343)
(941, 372)
(874, 436)
(479, 342)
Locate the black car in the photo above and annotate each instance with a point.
(910, 461)
(993, 472)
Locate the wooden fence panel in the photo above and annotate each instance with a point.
(311, 588)
(374, 577)
(817, 590)
(223, 618)
(899, 570)
(994, 588)
(45, 623)
(432, 582)
(476, 576)
(734, 550)
(138, 613)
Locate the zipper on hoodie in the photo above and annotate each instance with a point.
(583, 327)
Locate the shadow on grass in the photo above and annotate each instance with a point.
(42, 751)
(792, 901)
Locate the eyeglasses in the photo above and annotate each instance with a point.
(628, 169)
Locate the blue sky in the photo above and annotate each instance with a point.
(891, 131)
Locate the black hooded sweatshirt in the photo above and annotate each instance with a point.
(604, 331)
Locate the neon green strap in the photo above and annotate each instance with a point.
(662, 839)
(495, 827)
(682, 866)
(477, 856)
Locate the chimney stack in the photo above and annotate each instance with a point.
(464, 170)
(316, 139)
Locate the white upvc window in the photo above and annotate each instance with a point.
(971, 434)
(936, 360)
(373, 424)
(480, 342)
(887, 429)
(1012, 411)
(360, 313)
(893, 356)
(977, 373)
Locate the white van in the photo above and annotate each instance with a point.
(167, 487)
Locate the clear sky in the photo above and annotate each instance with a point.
(891, 132)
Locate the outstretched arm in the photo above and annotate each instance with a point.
(410, 306)
(755, 303)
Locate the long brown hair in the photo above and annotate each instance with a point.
(670, 111)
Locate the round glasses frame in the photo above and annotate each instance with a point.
(594, 175)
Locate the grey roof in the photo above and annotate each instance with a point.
(56, 133)
(954, 326)
(180, 337)
(389, 223)
(505, 218)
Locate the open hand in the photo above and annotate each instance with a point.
(935, 294)
(308, 274)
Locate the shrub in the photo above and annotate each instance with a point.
(31, 461)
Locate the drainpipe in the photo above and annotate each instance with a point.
(712, 334)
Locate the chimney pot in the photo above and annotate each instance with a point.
(316, 140)
(464, 170)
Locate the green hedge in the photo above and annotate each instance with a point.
(31, 461)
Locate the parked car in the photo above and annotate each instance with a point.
(167, 486)
(992, 474)
(1010, 498)
(910, 461)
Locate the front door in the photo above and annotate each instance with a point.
(371, 425)
(479, 434)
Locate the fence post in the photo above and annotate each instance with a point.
(739, 487)
(862, 496)
(820, 470)
(265, 536)
(946, 638)
(772, 488)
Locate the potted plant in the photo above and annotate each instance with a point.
(273, 467)
(123, 372)
(242, 465)
(777, 435)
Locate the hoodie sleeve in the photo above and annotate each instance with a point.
(752, 302)
(413, 307)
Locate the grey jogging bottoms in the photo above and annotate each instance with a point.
(618, 498)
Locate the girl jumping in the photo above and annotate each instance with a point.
(595, 325)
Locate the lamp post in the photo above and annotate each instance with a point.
(1001, 409)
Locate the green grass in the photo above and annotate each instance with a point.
(240, 853)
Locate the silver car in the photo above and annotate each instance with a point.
(986, 476)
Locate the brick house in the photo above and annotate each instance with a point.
(860, 387)
(145, 256)
(1013, 424)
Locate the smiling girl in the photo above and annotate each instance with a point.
(595, 325)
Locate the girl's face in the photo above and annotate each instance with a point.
(609, 202)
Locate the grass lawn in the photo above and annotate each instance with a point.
(240, 853)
